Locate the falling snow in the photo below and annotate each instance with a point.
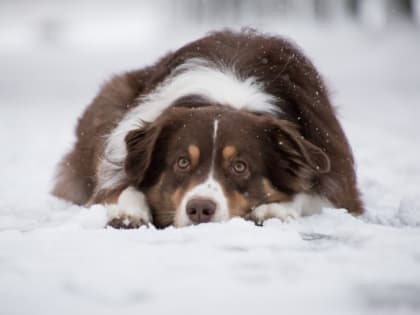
(56, 258)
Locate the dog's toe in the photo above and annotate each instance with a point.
(126, 222)
(271, 210)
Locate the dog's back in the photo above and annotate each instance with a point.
(280, 69)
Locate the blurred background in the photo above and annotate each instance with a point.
(90, 22)
(38, 38)
(54, 56)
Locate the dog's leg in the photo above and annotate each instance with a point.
(281, 210)
(130, 210)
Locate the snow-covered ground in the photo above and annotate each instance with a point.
(56, 258)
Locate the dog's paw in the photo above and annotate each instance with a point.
(126, 222)
(130, 212)
(272, 210)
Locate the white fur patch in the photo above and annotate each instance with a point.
(209, 189)
(218, 83)
(301, 205)
(215, 127)
(213, 153)
(131, 208)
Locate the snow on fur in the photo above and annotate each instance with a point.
(56, 258)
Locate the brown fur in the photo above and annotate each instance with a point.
(304, 149)
(282, 162)
(272, 194)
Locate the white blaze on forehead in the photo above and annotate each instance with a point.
(218, 83)
(215, 127)
(213, 155)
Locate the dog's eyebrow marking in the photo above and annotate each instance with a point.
(228, 152)
(194, 153)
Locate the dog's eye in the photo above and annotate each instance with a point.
(239, 167)
(183, 163)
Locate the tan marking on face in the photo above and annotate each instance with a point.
(177, 197)
(153, 194)
(161, 204)
(271, 193)
(238, 205)
(166, 205)
(229, 152)
(194, 153)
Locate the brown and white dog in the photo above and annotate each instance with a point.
(233, 124)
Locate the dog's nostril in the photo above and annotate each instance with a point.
(191, 211)
(200, 210)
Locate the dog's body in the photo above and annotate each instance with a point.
(234, 124)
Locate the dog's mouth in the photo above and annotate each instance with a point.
(197, 209)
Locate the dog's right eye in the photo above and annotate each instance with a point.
(183, 163)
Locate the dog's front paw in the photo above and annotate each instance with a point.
(272, 210)
(130, 212)
(126, 222)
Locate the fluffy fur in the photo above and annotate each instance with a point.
(246, 111)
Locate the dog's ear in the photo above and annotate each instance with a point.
(302, 150)
(140, 144)
(297, 159)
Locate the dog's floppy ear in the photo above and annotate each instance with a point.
(314, 157)
(304, 153)
(294, 161)
(140, 144)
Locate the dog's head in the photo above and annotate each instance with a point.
(210, 163)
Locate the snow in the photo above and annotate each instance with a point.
(56, 258)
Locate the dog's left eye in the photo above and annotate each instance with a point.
(183, 163)
(239, 167)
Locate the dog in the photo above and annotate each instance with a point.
(233, 124)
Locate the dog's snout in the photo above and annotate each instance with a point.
(200, 210)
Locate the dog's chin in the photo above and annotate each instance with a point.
(183, 223)
(190, 223)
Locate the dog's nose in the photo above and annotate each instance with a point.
(200, 210)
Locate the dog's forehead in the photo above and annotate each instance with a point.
(214, 126)
(191, 126)
(186, 128)
(228, 118)
(239, 124)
